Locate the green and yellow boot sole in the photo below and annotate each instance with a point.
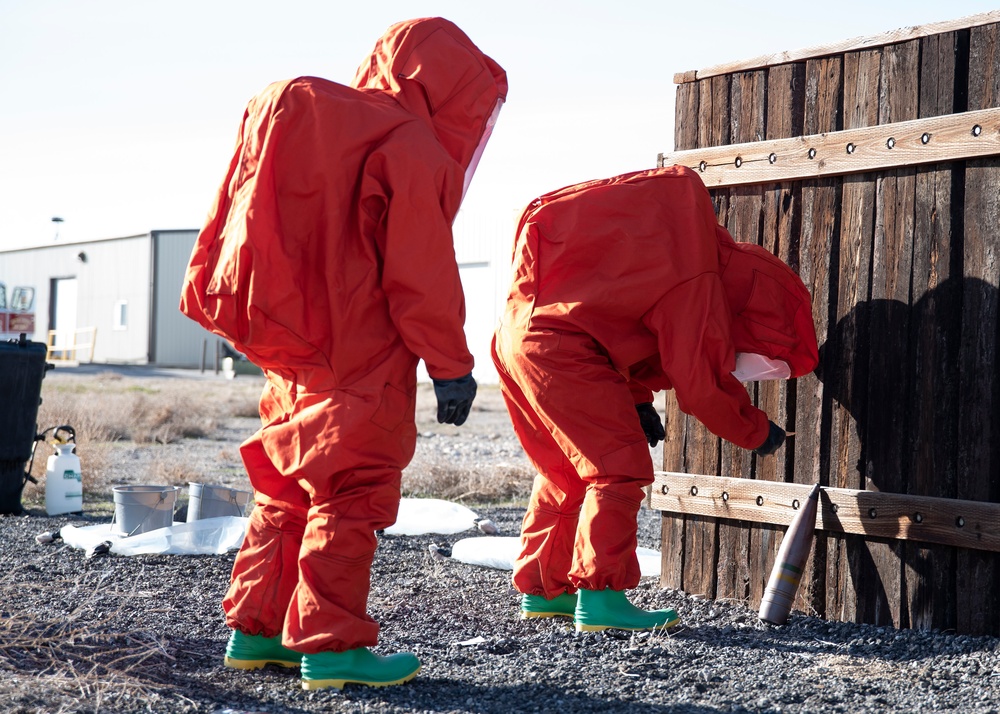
(256, 651)
(324, 670)
(563, 605)
(598, 610)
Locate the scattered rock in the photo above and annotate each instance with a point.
(487, 526)
(439, 552)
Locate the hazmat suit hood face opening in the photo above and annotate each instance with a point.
(470, 170)
(434, 71)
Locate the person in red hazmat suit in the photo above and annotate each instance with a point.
(327, 259)
(623, 287)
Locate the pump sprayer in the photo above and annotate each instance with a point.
(63, 478)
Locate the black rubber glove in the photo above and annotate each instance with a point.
(454, 397)
(652, 427)
(775, 438)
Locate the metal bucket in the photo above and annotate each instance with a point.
(210, 501)
(139, 509)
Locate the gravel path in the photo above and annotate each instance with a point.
(146, 633)
(118, 634)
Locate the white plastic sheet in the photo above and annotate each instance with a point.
(497, 552)
(500, 553)
(419, 516)
(752, 367)
(208, 536)
(649, 562)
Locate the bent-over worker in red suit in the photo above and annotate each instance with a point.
(623, 287)
(328, 260)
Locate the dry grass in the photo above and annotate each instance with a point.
(72, 658)
(496, 483)
(115, 418)
(167, 431)
(109, 407)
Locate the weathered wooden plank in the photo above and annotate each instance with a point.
(700, 534)
(714, 131)
(733, 575)
(713, 113)
(979, 388)
(820, 209)
(889, 373)
(836, 48)
(749, 110)
(933, 405)
(781, 224)
(702, 447)
(900, 143)
(873, 514)
(845, 358)
(748, 96)
(687, 111)
(672, 526)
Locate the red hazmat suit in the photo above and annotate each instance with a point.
(327, 259)
(623, 287)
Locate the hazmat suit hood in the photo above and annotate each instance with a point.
(348, 194)
(771, 308)
(434, 71)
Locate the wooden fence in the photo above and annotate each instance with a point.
(872, 168)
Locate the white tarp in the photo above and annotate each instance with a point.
(208, 536)
(501, 552)
(419, 516)
(213, 536)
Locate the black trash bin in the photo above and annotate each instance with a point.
(22, 368)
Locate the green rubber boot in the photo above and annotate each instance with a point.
(598, 610)
(563, 605)
(357, 666)
(256, 651)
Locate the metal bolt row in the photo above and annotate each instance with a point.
(890, 144)
(872, 513)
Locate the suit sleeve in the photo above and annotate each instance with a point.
(691, 323)
(641, 394)
(420, 275)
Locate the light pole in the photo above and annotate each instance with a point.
(57, 220)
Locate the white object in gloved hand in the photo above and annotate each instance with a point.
(751, 367)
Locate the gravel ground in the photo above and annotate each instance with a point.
(146, 633)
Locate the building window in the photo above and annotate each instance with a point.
(121, 315)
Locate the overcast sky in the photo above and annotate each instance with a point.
(119, 115)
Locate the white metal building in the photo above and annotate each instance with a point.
(125, 289)
(128, 290)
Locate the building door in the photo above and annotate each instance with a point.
(62, 316)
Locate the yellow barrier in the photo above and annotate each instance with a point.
(68, 345)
